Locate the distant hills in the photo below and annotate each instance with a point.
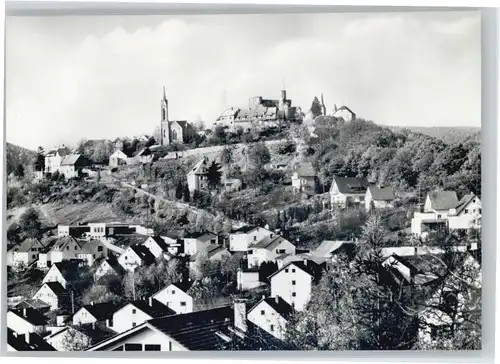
(447, 134)
(18, 155)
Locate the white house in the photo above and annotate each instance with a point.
(196, 177)
(135, 256)
(175, 297)
(379, 197)
(345, 191)
(53, 294)
(75, 231)
(54, 157)
(344, 113)
(72, 165)
(64, 248)
(467, 213)
(294, 281)
(119, 158)
(271, 314)
(157, 246)
(246, 281)
(26, 320)
(267, 249)
(196, 242)
(108, 267)
(304, 178)
(240, 239)
(65, 272)
(101, 313)
(26, 253)
(137, 312)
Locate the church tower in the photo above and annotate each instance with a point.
(164, 130)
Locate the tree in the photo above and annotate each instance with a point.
(214, 175)
(19, 171)
(30, 223)
(227, 156)
(185, 194)
(316, 107)
(259, 155)
(74, 340)
(98, 294)
(179, 190)
(39, 163)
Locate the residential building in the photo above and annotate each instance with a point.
(294, 281)
(144, 156)
(53, 158)
(24, 254)
(93, 250)
(443, 210)
(198, 241)
(26, 320)
(267, 249)
(64, 248)
(96, 313)
(347, 191)
(175, 297)
(109, 266)
(101, 230)
(212, 252)
(77, 338)
(136, 312)
(76, 231)
(379, 197)
(173, 132)
(135, 256)
(26, 342)
(157, 246)
(119, 158)
(343, 113)
(240, 239)
(197, 175)
(224, 328)
(271, 314)
(304, 178)
(246, 281)
(72, 165)
(65, 273)
(52, 293)
(38, 305)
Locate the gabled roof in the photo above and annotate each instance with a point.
(278, 304)
(71, 159)
(121, 152)
(184, 285)
(144, 253)
(160, 242)
(381, 194)
(351, 185)
(31, 315)
(63, 151)
(61, 243)
(113, 263)
(443, 200)
(26, 245)
(329, 247)
(144, 151)
(96, 333)
(32, 303)
(157, 309)
(464, 201)
(199, 167)
(69, 269)
(343, 107)
(200, 235)
(305, 169)
(56, 287)
(268, 242)
(310, 267)
(182, 123)
(213, 249)
(102, 311)
(18, 342)
(244, 229)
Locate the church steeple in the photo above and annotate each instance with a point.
(164, 106)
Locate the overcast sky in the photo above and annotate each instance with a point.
(92, 77)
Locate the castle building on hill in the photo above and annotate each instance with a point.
(260, 113)
(172, 132)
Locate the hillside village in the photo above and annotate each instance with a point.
(274, 227)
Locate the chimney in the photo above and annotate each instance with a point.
(92, 303)
(151, 301)
(240, 315)
(27, 336)
(24, 312)
(277, 299)
(263, 296)
(93, 325)
(305, 261)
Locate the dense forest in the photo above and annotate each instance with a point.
(18, 158)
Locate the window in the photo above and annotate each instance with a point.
(134, 310)
(293, 270)
(183, 304)
(100, 248)
(286, 270)
(271, 327)
(262, 312)
(133, 347)
(67, 248)
(280, 251)
(173, 291)
(294, 294)
(293, 283)
(250, 251)
(34, 256)
(254, 238)
(134, 324)
(479, 210)
(110, 323)
(439, 216)
(466, 211)
(126, 257)
(150, 347)
(169, 346)
(76, 248)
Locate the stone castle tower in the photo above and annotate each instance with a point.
(164, 129)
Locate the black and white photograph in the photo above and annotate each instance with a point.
(243, 182)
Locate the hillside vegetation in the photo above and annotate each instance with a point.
(18, 156)
(447, 134)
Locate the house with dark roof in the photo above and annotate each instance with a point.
(72, 165)
(26, 320)
(304, 178)
(379, 197)
(96, 313)
(109, 266)
(271, 314)
(64, 248)
(34, 304)
(53, 294)
(294, 281)
(343, 113)
(64, 272)
(135, 256)
(224, 328)
(26, 342)
(120, 158)
(157, 245)
(54, 157)
(198, 241)
(175, 297)
(26, 253)
(442, 210)
(346, 191)
(78, 338)
(197, 175)
(134, 313)
(267, 249)
(240, 239)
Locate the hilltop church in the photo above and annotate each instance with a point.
(172, 132)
